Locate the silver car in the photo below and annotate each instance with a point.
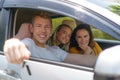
(105, 25)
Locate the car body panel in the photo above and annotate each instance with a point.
(3, 62)
(43, 69)
(0, 4)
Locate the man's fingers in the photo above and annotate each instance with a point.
(7, 51)
(15, 52)
(25, 53)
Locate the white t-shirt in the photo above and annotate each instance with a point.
(50, 52)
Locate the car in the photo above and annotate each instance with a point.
(104, 24)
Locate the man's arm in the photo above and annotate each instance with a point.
(83, 60)
(24, 31)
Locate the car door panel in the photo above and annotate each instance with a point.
(35, 70)
(3, 62)
(39, 70)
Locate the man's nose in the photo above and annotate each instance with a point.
(43, 29)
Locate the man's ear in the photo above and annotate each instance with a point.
(31, 28)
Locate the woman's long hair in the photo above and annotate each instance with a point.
(53, 37)
(73, 42)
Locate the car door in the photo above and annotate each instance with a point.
(35, 69)
(3, 61)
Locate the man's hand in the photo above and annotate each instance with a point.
(15, 51)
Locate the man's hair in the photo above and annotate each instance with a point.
(42, 14)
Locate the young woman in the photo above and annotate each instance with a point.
(82, 42)
(61, 37)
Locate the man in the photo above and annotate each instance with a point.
(16, 51)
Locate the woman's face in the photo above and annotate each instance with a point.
(63, 35)
(82, 37)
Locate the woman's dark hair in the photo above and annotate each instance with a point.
(73, 42)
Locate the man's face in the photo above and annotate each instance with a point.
(41, 30)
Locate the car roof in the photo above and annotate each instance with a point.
(69, 8)
(83, 3)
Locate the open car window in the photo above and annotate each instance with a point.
(25, 16)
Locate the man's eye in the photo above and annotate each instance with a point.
(86, 36)
(37, 25)
(47, 27)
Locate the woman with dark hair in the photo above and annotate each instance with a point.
(61, 37)
(82, 41)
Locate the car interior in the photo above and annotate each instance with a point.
(25, 16)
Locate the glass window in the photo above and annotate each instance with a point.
(98, 34)
(103, 39)
(60, 20)
(25, 15)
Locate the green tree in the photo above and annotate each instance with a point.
(115, 9)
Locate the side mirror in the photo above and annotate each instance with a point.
(9, 75)
(108, 64)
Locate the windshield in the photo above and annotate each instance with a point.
(111, 6)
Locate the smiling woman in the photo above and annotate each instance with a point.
(61, 37)
(82, 41)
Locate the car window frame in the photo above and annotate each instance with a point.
(73, 11)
